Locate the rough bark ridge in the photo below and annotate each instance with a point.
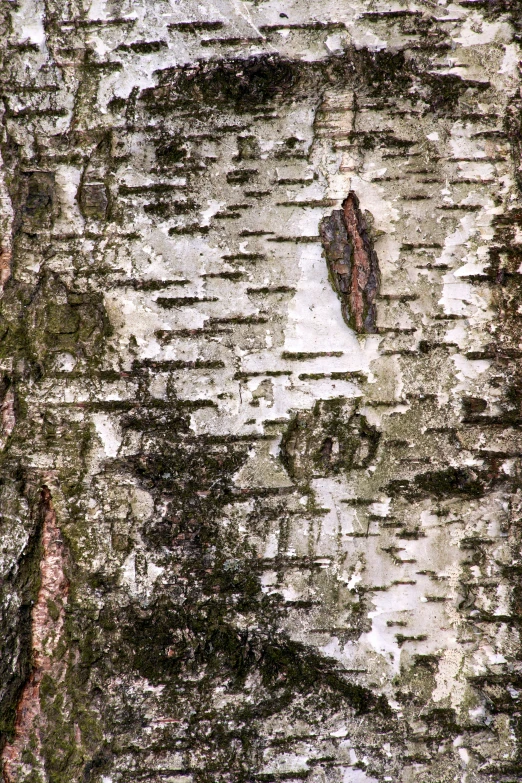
(284, 535)
(47, 622)
(356, 279)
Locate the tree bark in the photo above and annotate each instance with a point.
(260, 342)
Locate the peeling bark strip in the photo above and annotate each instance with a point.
(46, 625)
(5, 266)
(352, 264)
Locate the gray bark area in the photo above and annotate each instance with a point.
(260, 480)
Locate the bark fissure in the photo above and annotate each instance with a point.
(352, 264)
(47, 620)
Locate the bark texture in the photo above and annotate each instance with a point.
(260, 391)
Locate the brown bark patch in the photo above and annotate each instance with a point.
(352, 264)
(5, 266)
(47, 622)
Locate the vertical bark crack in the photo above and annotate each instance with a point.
(352, 264)
(47, 622)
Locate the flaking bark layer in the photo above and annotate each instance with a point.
(352, 264)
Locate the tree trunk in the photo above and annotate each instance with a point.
(261, 486)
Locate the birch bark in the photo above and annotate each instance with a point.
(241, 540)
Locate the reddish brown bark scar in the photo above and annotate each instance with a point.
(46, 629)
(5, 266)
(352, 264)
